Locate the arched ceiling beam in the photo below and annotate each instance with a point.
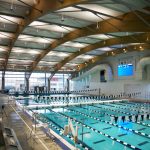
(114, 52)
(42, 7)
(140, 38)
(130, 23)
(96, 12)
(132, 48)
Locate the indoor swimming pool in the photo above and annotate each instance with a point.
(110, 126)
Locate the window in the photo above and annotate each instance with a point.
(14, 80)
(102, 76)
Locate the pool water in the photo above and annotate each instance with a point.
(97, 131)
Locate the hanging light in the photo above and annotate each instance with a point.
(147, 39)
(97, 26)
(124, 50)
(4, 25)
(112, 53)
(27, 12)
(12, 5)
(140, 47)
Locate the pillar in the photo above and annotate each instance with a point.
(63, 82)
(49, 84)
(27, 77)
(68, 85)
(26, 84)
(3, 81)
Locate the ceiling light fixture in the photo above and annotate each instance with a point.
(12, 5)
(140, 47)
(4, 25)
(124, 50)
(147, 39)
(97, 26)
(113, 53)
(27, 12)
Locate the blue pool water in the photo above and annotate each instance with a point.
(96, 130)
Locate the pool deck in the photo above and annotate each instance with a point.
(22, 126)
(139, 100)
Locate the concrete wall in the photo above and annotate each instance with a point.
(118, 84)
(148, 72)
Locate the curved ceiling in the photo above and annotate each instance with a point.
(65, 35)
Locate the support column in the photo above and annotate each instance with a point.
(27, 77)
(45, 79)
(63, 82)
(3, 81)
(68, 85)
(26, 84)
(49, 84)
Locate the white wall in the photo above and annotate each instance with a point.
(148, 72)
(118, 84)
